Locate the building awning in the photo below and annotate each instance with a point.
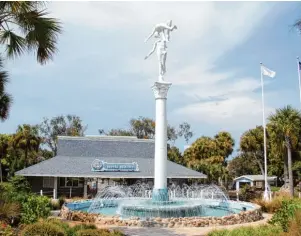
(71, 166)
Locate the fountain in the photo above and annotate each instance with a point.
(136, 201)
(139, 200)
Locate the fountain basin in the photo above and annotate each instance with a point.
(196, 201)
(144, 208)
(214, 213)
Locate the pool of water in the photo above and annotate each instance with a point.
(145, 208)
(208, 211)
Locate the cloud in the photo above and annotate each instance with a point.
(235, 113)
(232, 102)
(206, 32)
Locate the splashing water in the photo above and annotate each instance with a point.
(185, 201)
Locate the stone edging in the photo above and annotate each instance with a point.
(242, 217)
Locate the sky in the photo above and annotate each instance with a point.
(100, 74)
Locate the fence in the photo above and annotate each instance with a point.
(52, 193)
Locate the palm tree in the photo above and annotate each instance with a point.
(278, 150)
(4, 144)
(24, 27)
(285, 124)
(27, 139)
(5, 98)
(224, 144)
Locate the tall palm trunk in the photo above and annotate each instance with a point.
(290, 171)
(0, 171)
(285, 171)
(26, 154)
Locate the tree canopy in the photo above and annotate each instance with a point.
(209, 155)
(144, 128)
(69, 125)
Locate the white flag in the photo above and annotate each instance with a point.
(267, 72)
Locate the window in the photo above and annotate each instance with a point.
(259, 184)
(62, 182)
(71, 182)
(48, 182)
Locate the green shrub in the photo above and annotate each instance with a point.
(20, 184)
(11, 194)
(34, 208)
(248, 193)
(263, 230)
(294, 225)
(275, 189)
(43, 229)
(71, 231)
(64, 226)
(285, 213)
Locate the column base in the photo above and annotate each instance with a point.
(160, 195)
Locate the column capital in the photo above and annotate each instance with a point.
(160, 89)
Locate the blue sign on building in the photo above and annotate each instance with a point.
(98, 165)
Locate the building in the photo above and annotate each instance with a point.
(254, 180)
(105, 160)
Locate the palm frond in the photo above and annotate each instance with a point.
(36, 31)
(41, 33)
(15, 44)
(3, 80)
(6, 101)
(16, 7)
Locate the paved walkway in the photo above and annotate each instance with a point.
(189, 231)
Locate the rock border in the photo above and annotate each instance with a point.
(239, 218)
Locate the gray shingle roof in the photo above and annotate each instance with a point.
(104, 146)
(65, 166)
(256, 177)
(76, 154)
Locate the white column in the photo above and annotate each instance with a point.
(85, 188)
(55, 188)
(160, 90)
(237, 186)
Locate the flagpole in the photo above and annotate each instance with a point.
(299, 78)
(266, 193)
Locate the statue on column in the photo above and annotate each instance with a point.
(162, 33)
